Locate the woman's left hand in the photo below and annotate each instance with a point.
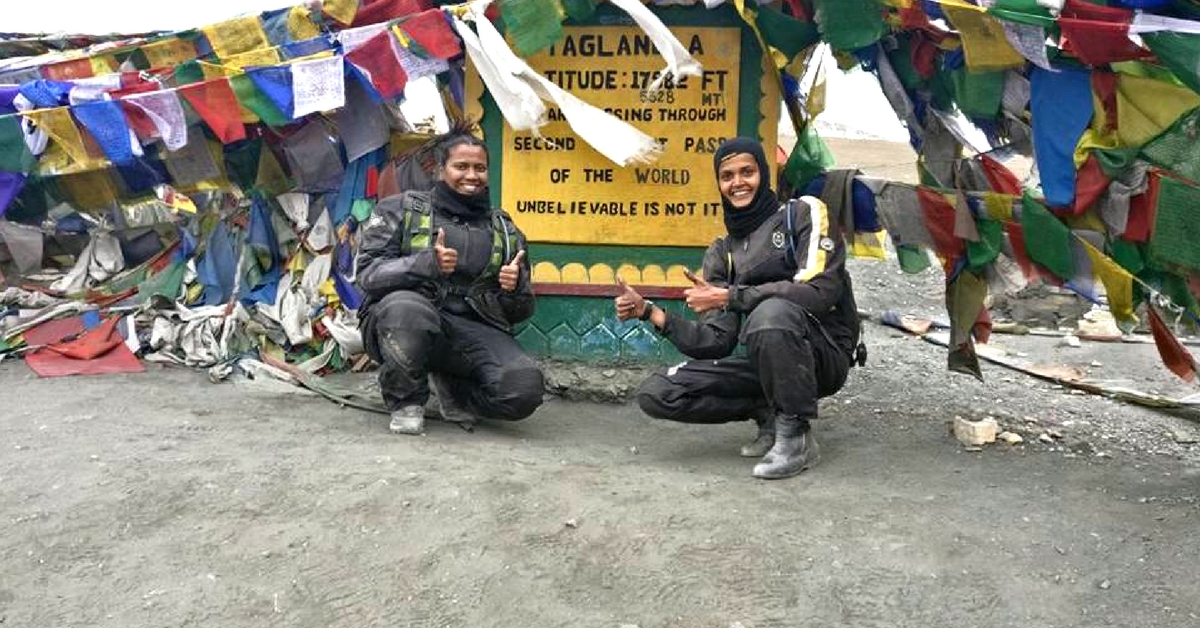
(702, 296)
(510, 273)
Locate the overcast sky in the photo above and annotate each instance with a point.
(124, 16)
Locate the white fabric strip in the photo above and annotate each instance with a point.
(679, 62)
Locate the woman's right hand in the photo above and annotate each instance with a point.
(447, 258)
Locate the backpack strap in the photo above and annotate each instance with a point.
(420, 235)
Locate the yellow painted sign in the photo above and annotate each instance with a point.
(559, 189)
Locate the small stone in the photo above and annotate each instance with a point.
(406, 503)
(1104, 584)
(975, 433)
(1031, 419)
(1184, 437)
(94, 457)
(1054, 433)
(608, 373)
(973, 448)
(571, 523)
(1010, 437)
(634, 450)
(1045, 438)
(1097, 363)
(1070, 340)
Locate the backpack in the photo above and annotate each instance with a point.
(846, 306)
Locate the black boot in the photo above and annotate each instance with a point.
(757, 448)
(795, 450)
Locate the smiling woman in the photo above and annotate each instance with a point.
(126, 16)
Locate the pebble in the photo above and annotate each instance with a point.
(1010, 437)
(1045, 438)
(1184, 437)
(634, 450)
(571, 523)
(1070, 341)
(1105, 584)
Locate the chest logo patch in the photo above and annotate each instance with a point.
(826, 244)
(777, 239)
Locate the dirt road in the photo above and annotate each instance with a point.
(163, 500)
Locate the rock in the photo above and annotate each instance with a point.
(1010, 437)
(1046, 438)
(1104, 584)
(1184, 436)
(1097, 363)
(633, 450)
(571, 523)
(975, 432)
(609, 373)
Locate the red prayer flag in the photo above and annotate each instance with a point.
(67, 70)
(1104, 85)
(377, 58)
(939, 217)
(1090, 184)
(376, 11)
(1174, 355)
(218, 106)
(1142, 211)
(431, 30)
(1098, 34)
(999, 177)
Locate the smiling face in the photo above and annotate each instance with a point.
(738, 179)
(466, 169)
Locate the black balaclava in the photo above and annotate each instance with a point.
(473, 206)
(742, 222)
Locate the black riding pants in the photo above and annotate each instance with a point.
(790, 364)
(485, 368)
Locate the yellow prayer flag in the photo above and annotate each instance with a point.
(236, 36)
(999, 206)
(299, 26)
(104, 64)
(1118, 283)
(1147, 106)
(168, 53)
(90, 190)
(1093, 139)
(984, 44)
(57, 124)
(262, 56)
(341, 10)
(216, 70)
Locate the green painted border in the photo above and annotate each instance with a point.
(749, 113)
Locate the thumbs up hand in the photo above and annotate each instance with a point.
(629, 304)
(703, 296)
(510, 273)
(447, 258)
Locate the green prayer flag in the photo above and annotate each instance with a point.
(810, 157)
(1022, 11)
(913, 259)
(991, 239)
(1176, 224)
(534, 25)
(850, 24)
(1175, 148)
(978, 94)
(14, 153)
(249, 96)
(784, 33)
(1127, 255)
(579, 10)
(188, 72)
(1047, 239)
(241, 162)
(1180, 52)
(166, 285)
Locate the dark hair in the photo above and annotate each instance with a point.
(460, 134)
